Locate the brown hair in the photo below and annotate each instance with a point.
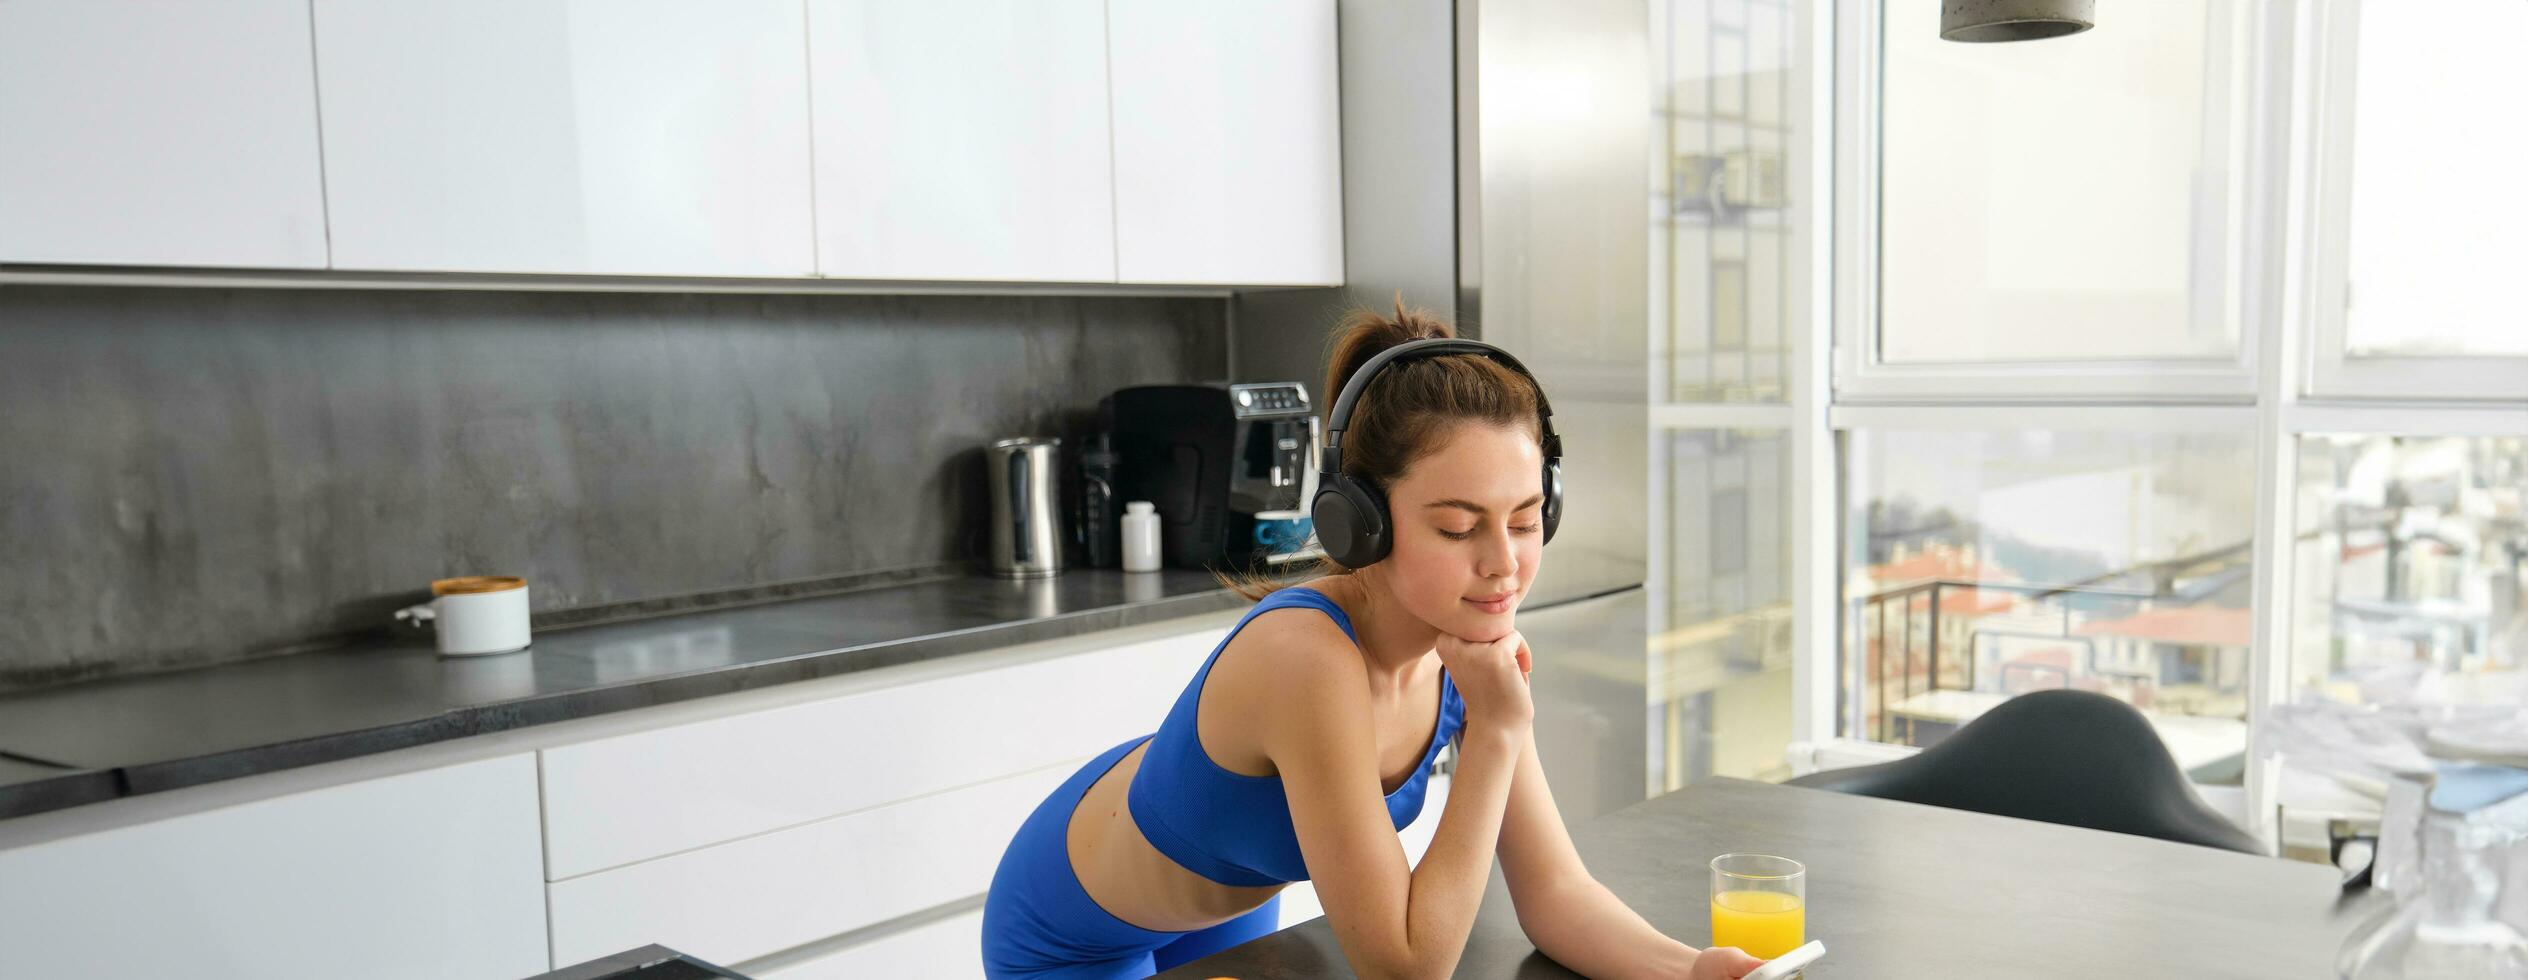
(1401, 417)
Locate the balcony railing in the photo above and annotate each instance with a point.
(1941, 634)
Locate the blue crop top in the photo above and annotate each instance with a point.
(1234, 828)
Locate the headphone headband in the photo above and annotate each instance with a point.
(1350, 514)
(1340, 417)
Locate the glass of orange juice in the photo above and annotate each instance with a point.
(1759, 904)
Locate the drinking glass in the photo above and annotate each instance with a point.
(1759, 903)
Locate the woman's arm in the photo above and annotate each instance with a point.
(1569, 915)
(1393, 919)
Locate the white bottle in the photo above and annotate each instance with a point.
(1141, 537)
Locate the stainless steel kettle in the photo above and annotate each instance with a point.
(1026, 507)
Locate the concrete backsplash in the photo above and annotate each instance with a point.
(189, 476)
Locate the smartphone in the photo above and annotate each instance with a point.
(1781, 967)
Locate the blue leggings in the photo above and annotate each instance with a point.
(1039, 924)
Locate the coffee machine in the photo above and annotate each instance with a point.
(1231, 468)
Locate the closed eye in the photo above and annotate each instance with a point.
(1463, 535)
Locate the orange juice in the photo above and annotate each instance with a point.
(1765, 924)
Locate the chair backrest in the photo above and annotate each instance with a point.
(2061, 756)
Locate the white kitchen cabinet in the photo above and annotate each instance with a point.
(949, 948)
(567, 136)
(427, 874)
(137, 133)
(962, 139)
(762, 894)
(1228, 163)
(628, 798)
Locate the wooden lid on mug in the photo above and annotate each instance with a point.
(474, 584)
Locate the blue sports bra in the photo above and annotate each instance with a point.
(1231, 827)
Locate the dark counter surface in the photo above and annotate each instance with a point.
(136, 735)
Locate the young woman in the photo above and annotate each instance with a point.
(1302, 745)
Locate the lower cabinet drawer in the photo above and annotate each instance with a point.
(424, 875)
(945, 949)
(746, 898)
(618, 801)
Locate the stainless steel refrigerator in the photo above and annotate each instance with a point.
(1496, 170)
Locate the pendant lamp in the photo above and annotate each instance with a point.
(2012, 20)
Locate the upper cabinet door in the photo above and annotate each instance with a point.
(567, 136)
(962, 139)
(1227, 141)
(135, 133)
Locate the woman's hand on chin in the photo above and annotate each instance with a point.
(1492, 678)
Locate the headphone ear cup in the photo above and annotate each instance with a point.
(1380, 537)
(1553, 498)
(1350, 521)
(1331, 517)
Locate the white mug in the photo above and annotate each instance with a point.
(477, 614)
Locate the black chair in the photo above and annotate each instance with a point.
(2061, 756)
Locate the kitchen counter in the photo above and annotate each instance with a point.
(129, 736)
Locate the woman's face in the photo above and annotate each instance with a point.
(1469, 529)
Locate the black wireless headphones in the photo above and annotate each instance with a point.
(1350, 513)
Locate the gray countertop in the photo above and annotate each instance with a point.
(1904, 890)
(163, 731)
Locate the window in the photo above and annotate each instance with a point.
(2077, 199)
(2054, 267)
(1981, 565)
(1720, 649)
(2411, 556)
(1721, 242)
(2438, 206)
(1731, 131)
(2412, 288)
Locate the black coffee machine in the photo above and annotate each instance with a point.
(1213, 457)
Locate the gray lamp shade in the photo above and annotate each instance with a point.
(2013, 20)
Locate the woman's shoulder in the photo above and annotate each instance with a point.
(1289, 671)
(1295, 629)
(1291, 646)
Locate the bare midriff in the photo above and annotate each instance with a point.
(1130, 879)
